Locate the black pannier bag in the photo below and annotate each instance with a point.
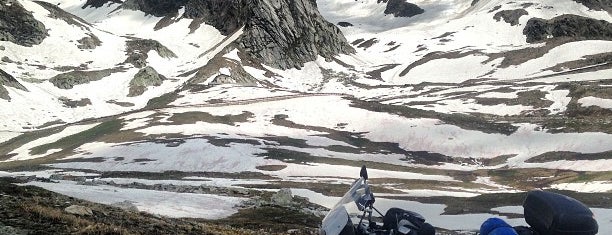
(555, 214)
(395, 218)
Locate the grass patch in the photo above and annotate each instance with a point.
(25, 138)
(193, 117)
(72, 142)
(161, 101)
(569, 156)
(464, 121)
(271, 219)
(271, 167)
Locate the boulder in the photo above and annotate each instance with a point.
(282, 198)
(126, 205)
(79, 210)
(401, 8)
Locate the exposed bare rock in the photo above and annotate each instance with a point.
(157, 8)
(70, 103)
(126, 205)
(401, 8)
(283, 197)
(597, 5)
(510, 16)
(344, 24)
(8, 80)
(567, 26)
(233, 73)
(57, 13)
(98, 3)
(70, 79)
(225, 15)
(79, 210)
(287, 33)
(146, 77)
(17, 25)
(137, 50)
(90, 42)
(280, 33)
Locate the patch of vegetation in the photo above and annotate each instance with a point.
(193, 117)
(288, 156)
(273, 219)
(414, 184)
(530, 178)
(356, 139)
(225, 142)
(271, 167)
(328, 189)
(178, 175)
(71, 142)
(463, 121)
(496, 160)
(20, 140)
(161, 101)
(38, 211)
(535, 98)
(569, 156)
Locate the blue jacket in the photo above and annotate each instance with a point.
(496, 226)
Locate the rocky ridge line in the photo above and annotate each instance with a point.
(280, 33)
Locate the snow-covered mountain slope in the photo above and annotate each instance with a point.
(112, 42)
(455, 41)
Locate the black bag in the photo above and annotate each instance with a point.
(396, 217)
(555, 214)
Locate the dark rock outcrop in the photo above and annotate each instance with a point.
(510, 16)
(137, 50)
(225, 15)
(159, 8)
(401, 8)
(287, 33)
(70, 79)
(569, 27)
(8, 80)
(597, 5)
(17, 25)
(280, 33)
(344, 24)
(237, 74)
(98, 3)
(146, 77)
(70, 103)
(90, 42)
(58, 13)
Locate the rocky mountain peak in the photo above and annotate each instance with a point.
(286, 33)
(280, 33)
